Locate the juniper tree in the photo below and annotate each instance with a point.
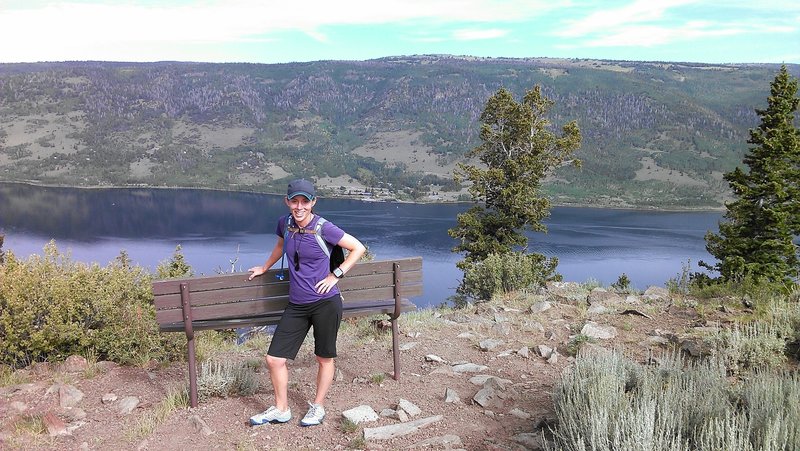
(518, 149)
(755, 238)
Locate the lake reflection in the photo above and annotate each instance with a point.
(223, 230)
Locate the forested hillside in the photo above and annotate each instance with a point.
(655, 134)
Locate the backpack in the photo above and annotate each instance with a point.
(334, 252)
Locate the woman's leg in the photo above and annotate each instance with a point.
(279, 375)
(326, 320)
(325, 373)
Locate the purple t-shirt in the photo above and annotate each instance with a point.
(314, 264)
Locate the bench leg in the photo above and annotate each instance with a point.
(192, 373)
(396, 349)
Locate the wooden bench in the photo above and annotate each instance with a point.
(230, 301)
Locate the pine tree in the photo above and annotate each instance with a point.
(518, 150)
(756, 236)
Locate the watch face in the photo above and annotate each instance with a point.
(338, 272)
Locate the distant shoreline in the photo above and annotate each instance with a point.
(554, 204)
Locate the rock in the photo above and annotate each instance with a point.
(434, 358)
(486, 396)
(451, 396)
(597, 309)
(108, 398)
(484, 378)
(521, 414)
(553, 359)
(409, 407)
(199, 425)
(360, 414)
(544, 351)
(523, 352)
(540, 307)
(631, 311)
(503, 328)
(55, 426)
(74, 364)
(594, 330)
(468, 335)
(489, 344)
(442, 442)
(445, 370)
(499, 318)
(127, 404)
(338, 376)
(69, 396)
(74, 414)
(656, 293)
(398, 430)
(531, 442)
(469, 368)
(632, 299)
(601, 295)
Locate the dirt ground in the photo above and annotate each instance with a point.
(432, 343)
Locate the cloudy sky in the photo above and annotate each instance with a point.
(267, 31)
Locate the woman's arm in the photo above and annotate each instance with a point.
(274, 256)
(355, 248)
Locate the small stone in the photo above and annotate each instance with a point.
(434, 358)
(408, 407)
(200, 425)
(108, 398)
(489, 344)
(469, 368)
(451, 396)
(519, 413)
(524, 352)
(128, 404)
(361, 414)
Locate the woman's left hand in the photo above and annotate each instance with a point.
(325, 285)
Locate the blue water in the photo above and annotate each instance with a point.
(224, 231)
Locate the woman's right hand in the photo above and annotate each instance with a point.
(256, 271)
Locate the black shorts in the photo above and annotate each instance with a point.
(325, 315)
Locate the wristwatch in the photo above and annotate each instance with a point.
(338, 272)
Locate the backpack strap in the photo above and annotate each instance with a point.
(282, 274)
(318, 235)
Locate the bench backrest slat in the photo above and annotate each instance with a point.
(233, 296)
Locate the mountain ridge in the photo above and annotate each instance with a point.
(656, 134)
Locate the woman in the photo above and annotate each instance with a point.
(314, 300)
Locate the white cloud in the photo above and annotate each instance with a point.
(474, 34)
(608, 19)
(69, 29)
(648, 23)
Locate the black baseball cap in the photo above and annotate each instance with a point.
(301, 187)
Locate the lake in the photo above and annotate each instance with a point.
(219, 231)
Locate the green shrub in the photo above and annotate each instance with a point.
(174, 267)
(225, 379)
(753, 346)
(52, 307)
(503, 273)
(676, 405)
(623, 284)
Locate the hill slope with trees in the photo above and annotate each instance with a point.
(654, 134)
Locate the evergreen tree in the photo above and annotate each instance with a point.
(756, 237)
(517, 151)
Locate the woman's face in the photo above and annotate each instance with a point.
(300, 207)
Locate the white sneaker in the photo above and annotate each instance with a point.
(271, 415)
(314, 416)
